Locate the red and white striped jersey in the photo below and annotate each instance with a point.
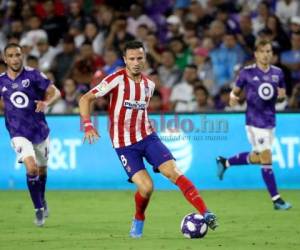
(128, 117)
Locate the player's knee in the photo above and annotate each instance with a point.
(31, 166)
(170, 171)
(146, 189)
(254, 158)
(266, 157)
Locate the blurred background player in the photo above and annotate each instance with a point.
(133, 136)
(26, 94)
(264, 85)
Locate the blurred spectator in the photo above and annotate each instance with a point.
(78, 35)
(259, 21)
(136, 18)
(45, 54)
(63, 61)
(295, 24)
(245, 36)
(156, 104)
(202, 101)
(226, 58)
(76, 15)
(182, 53)
(294, 102)
(168, 71)
(55, 25)
(153, 47)
(96, 38)
(71, 96)
(279, 38)
(216, 31)
(112, 61)
(174, 27)
(204, 68)
(222, 99)
(285, 9)
(33, 62)
(35, 33)
(182, 96)
(27, 47)
(291, 58)
(86, 63)
(118, 34)
(16, 28)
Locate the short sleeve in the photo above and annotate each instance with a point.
(105, 86)
(42, 81)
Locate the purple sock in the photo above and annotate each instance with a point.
(34, 190)
(269, 179)
(43, 181)
(239, 159)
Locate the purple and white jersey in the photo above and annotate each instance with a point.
(261, 94)
(19, 97)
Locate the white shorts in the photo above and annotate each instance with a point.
(24, 148)
(260, 138)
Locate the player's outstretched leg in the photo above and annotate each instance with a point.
(192, 195)
(221, 166)
(269, 179)
(223, 163)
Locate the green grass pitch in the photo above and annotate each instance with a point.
(89, 220)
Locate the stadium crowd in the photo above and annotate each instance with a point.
(194, 47)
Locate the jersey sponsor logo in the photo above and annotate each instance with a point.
(141, 105)
(266, 91)
(25, 83)
(19, 99)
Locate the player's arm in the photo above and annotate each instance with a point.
(90, 133)
(281, 95)
(234, 96)
(52, 94)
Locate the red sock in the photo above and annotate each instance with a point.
(140, 206)
(191, 194)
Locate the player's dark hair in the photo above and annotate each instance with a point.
(133, 45)
(261, 42)
(11, 45)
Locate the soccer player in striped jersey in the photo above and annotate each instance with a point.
(263, 84)
(133, 137)
(26, 93)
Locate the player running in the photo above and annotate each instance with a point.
(26, 93)
(133, 136)
(264, 85)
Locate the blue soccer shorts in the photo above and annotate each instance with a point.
(151, 148)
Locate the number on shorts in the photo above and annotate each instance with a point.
(124, 160)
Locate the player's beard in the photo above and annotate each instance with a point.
(16, 69)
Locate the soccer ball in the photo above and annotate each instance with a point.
(193, 226)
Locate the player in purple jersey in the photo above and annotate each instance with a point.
(26, 94)
(264, 85)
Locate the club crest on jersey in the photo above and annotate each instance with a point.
(140, 105)
(275, 78)
(25, 83)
